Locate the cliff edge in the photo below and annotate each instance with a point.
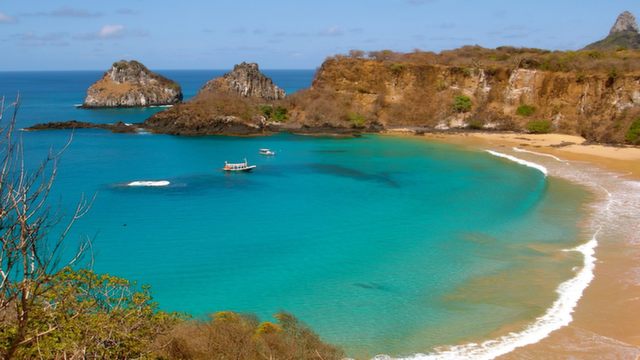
(131, 84)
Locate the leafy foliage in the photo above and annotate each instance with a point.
(277, 113)
(633, 134)
(539, 126)
(357, 120)
(525, 110)
(462, 104)
(98, 316)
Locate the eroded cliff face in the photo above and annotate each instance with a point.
(131, 84)
(246, 80)
(361, 93)
(227, 105)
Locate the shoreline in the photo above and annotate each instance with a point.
(599, 324)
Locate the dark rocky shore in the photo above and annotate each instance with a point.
(119, 127)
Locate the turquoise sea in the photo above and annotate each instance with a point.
(380, 244)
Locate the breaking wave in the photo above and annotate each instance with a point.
(539, 154)
(530, 164)
(150, 183)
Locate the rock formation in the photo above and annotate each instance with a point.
(246, 80)
(131, 84)
(624, 34)
(226, 105)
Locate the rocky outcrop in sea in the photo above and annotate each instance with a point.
(246, 80)
(229, 105)
(131, 84)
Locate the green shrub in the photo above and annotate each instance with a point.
(280, 114)
(633, 134)
(396, 69)
(539, 126)
(525, 110)
(357, 120)
(462, 104)
(266, 110)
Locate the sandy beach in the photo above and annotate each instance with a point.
(605, 321)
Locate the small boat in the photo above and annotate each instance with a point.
(243, 166)
(267, 152)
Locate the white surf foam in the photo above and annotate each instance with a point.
(530, 164)
(556, 317)
(149, 183)
(516, 149)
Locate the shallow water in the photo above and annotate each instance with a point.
(382, 245)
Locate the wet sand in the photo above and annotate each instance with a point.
(606, 322)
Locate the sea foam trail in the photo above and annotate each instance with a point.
(556, 317)
(150, 183)
(516, 149)
(530, 164)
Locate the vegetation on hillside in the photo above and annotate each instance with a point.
(525, 110)
(470, 57)
(539, 126)
(633, 134)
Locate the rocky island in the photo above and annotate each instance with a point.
(242, 102)
(624, 34)
(131, 84)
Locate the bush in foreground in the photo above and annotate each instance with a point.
(229, 335)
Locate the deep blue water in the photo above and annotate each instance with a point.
(381, 244)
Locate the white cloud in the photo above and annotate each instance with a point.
(332, 31)
(6, 19)
(111, 31)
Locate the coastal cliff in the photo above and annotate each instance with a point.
(238, 103)
(471, 91)
(131, 84)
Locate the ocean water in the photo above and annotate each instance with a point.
(380, 244)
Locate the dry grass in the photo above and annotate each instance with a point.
(232, 336)
(512, 57)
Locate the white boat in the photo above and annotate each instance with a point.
(243, 166)
(267, 152)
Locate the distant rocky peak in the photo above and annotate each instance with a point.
(625, 22)
(247, 80)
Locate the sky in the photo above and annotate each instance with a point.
(281, 34)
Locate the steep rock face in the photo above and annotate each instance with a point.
(624, 34)
(625, 22)
(359, 93)
(131, 84)
(246, 80)
(227, 105)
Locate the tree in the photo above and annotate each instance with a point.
(29, 255)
